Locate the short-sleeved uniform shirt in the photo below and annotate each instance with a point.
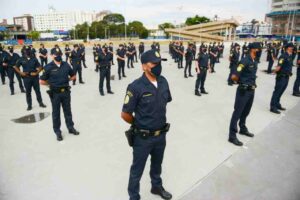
(43, 51)
(203, 60)
(285, 62)
(28, 64)
(246, 71)
(234, 57)
(121, 53)
(57, 76)
(148, 103)
(11, 59)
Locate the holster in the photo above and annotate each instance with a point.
(50, 93)
(129, 136)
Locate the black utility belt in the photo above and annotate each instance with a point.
(104, 67)
(147, 133)
(283, 75)
(203, 68)
(246, 87)
(60, 89)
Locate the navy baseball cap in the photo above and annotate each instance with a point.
(255, 45)
(151, 56)
(55, 51)
(289, 45)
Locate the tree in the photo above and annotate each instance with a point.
(196, 20)
(164, 26)
(34, 35)
(114, 18)
(136, 28)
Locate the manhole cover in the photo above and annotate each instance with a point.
(32, 118)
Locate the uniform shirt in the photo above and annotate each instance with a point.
(11, 60)
(245, 49)
(148, 103)
(271, 53)
(203, 60)
(54, 50)
(285, 62)
(104, 60)
(33, 51)
(28, 65)
(189, 54)
(141, 48)
(43, 51)
(75, 57)
(3, 54)
(67, 51)
(121, 53)
(234, 57)
(130, 49)
(57, 76)
(246, 71)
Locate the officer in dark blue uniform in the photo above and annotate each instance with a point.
(141, 49)
(75, 58)
(33, 51)
(202, 65)
(213, 57)
(3, 69)
(121, 52)
(130, 55)
(10, 61)
(296, 90)
(147, 98)
(67, 52)
(82, 52)
(245, 50)
(189, 56)
(234, 61)
(104, 59)
(245, 75)
(271, 56)
(57, 75)
(283, 73)
(43, 54)
(31, 69)
(180, 53)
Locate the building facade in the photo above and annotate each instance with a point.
(26, 21)
(285, 18)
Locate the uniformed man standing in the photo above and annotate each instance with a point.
(213, 57)
(82, 52)
(121, 52)
(43, 54)
(189, 55)
(244, 50)
(234, 61)
(141, 49)
(296, 90)
(130, 55)
(180, 51)
(3, 70)
(245, 75)
(76, 56)
(9, 62)
(31, 69)
(270, 58)
(57, 75)
(67, 52)
(283, 73)
(104, 59)
(111, 50)
(202, 65)
(147, 98)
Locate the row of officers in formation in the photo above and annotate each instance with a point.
(146, 98)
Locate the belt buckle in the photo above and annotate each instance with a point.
(156, 133)
(62, 89)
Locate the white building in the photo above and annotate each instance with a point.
(54, 20)
(26, 21)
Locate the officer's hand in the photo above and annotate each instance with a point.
(234, 78)
(23, 74)
(209, 70)
(33, 74)
(4, 64)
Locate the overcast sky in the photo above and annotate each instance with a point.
(150, 12)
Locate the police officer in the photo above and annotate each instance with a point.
(121, 52)
(96, 49)
(9, 62)
(147, 98)
(33, 51)
(296, 90)
(3, 69)
(104, 59)
(244, 50)
(76, 57)
(213, 57)
(57, 75)
(111, 50)
(271, 56)
(130, 56)
(43, 54)
(82, 52)
(180, 55)
(283, 73)
(141, 49)
(245, 75)
(31, 69)
(234, 61)
(189, 55)
(202, 65)
(67, 52)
